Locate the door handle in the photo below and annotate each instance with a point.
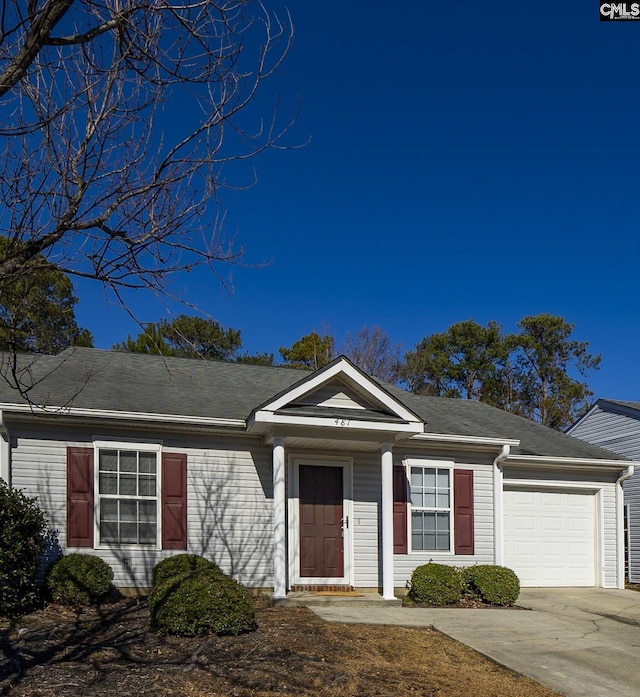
(345, 524)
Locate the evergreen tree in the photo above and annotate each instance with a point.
(312, 351)
(465, 361)
(37, 308)
(534, 373)
(543, 355)
(187, 337)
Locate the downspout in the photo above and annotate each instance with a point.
(5, 472)
(628, 472)
(498, 530)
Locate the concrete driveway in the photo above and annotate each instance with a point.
(583, 642)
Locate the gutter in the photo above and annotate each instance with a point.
(465, 440)
(563, 462)
(628, 472)
(498, 511)
(131, 416)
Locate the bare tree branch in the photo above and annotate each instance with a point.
(94, 173)
(42, 24)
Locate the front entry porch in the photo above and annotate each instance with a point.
(336, 411)
(335, 599)
(314, 523)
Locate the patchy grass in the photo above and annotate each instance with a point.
(111, 651)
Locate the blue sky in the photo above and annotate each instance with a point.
(466, 160)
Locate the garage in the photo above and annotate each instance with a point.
(550, 536)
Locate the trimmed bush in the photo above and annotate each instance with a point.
(180, 564)
(435, 584)
(201, 602)
(22, 527)
(79, 579)
(496, 585)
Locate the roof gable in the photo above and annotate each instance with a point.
(631, 409)
(338, 394)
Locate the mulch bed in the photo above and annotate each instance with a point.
(110, 651)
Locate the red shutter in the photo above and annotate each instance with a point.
(80, 518)
(174, 501)
(400, 545)
(463, 511)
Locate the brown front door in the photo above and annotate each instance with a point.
(321, 543)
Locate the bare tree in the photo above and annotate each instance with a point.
(94, 174)
(372, 351)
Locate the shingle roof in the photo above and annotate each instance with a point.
(129, 382)
(466, 417)
(628, 405)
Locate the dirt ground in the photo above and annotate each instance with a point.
(111, 652)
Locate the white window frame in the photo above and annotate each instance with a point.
(137, 447)
(434, 465)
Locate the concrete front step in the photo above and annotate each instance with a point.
(308, 599)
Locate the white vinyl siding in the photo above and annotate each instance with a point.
(364, 523)
(404, 564)
(610, 537)
(618, 431)
(230, 507)
(632, 499)
(334, 395)
(229, 501)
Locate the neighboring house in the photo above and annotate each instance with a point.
(615, 425)
(291, 479)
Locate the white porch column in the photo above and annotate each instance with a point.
(279, 521)
(387, 521)
(5, 452)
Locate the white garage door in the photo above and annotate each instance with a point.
(549, 537)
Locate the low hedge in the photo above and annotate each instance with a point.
(496, 585)
(204, 601)
(439, 584)
(435, 584)
(180, 564)
(79, 579)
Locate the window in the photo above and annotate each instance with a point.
(113, 494)
(431, 498)
(127, 496)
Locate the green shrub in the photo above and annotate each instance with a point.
(79, 579)
(178, 565)
(201, 602)
(22, 527)
(435, 584)
(492, 584)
